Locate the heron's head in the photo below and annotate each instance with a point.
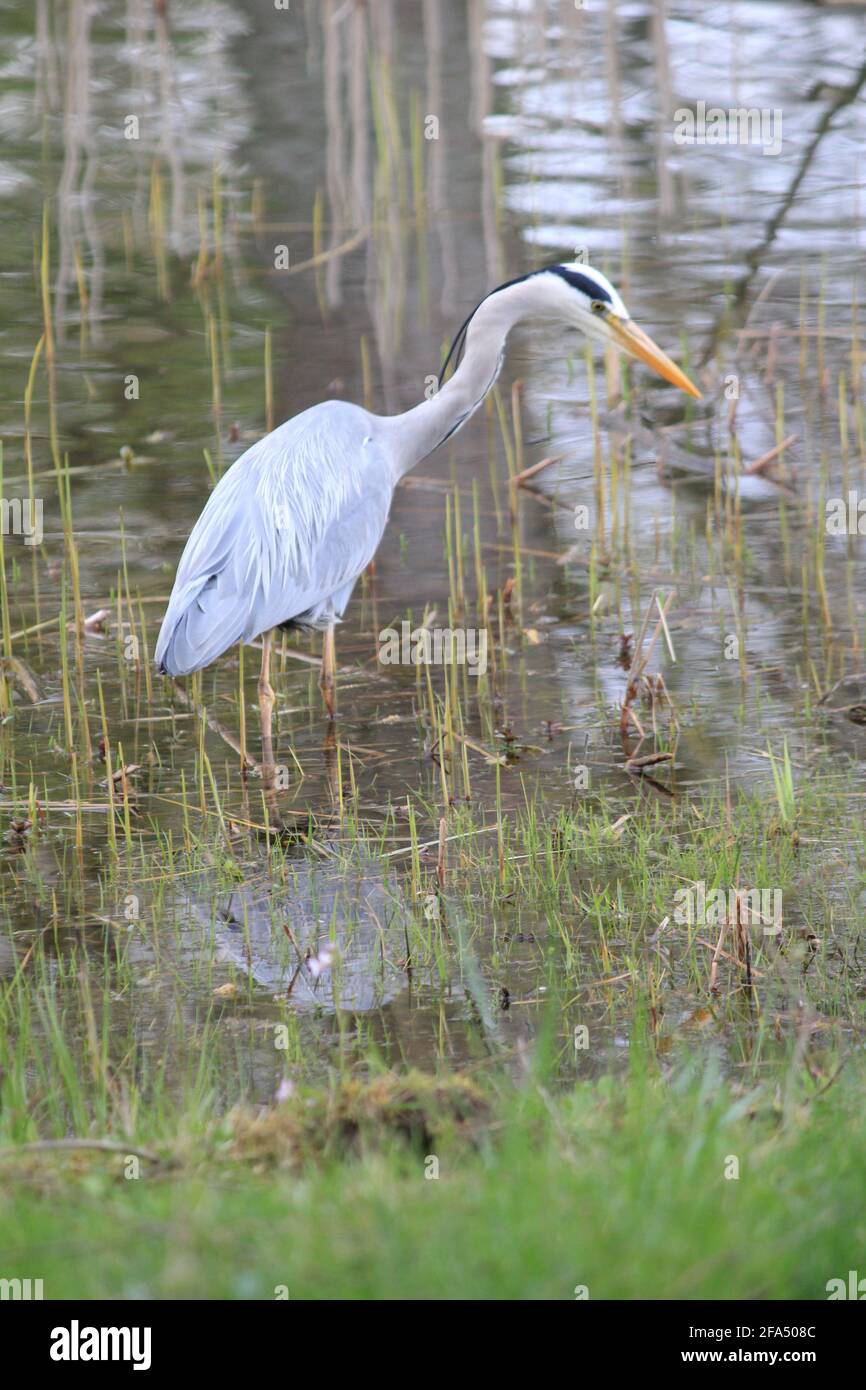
(586, 299)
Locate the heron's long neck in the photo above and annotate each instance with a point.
(420, 430)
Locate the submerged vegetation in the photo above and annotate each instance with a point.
(544, 979)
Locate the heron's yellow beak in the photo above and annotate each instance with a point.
(626, 334)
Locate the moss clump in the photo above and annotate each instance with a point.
(354, 1116)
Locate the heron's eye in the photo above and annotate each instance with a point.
(598, 306)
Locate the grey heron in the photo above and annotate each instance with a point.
(295, 521)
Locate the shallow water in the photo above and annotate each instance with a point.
(304, 129)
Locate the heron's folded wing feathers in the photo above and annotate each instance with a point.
(290, 526)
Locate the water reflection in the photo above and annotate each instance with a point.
(320, 938)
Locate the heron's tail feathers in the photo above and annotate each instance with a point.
(201, 631)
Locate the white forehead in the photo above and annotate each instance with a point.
(586, 279)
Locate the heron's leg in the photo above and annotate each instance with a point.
(266, 711)
(328, 678)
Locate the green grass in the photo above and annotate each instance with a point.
(618, 1186)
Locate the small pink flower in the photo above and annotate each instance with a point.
(317, 965)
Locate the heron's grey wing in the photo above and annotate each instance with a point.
(291, 525)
